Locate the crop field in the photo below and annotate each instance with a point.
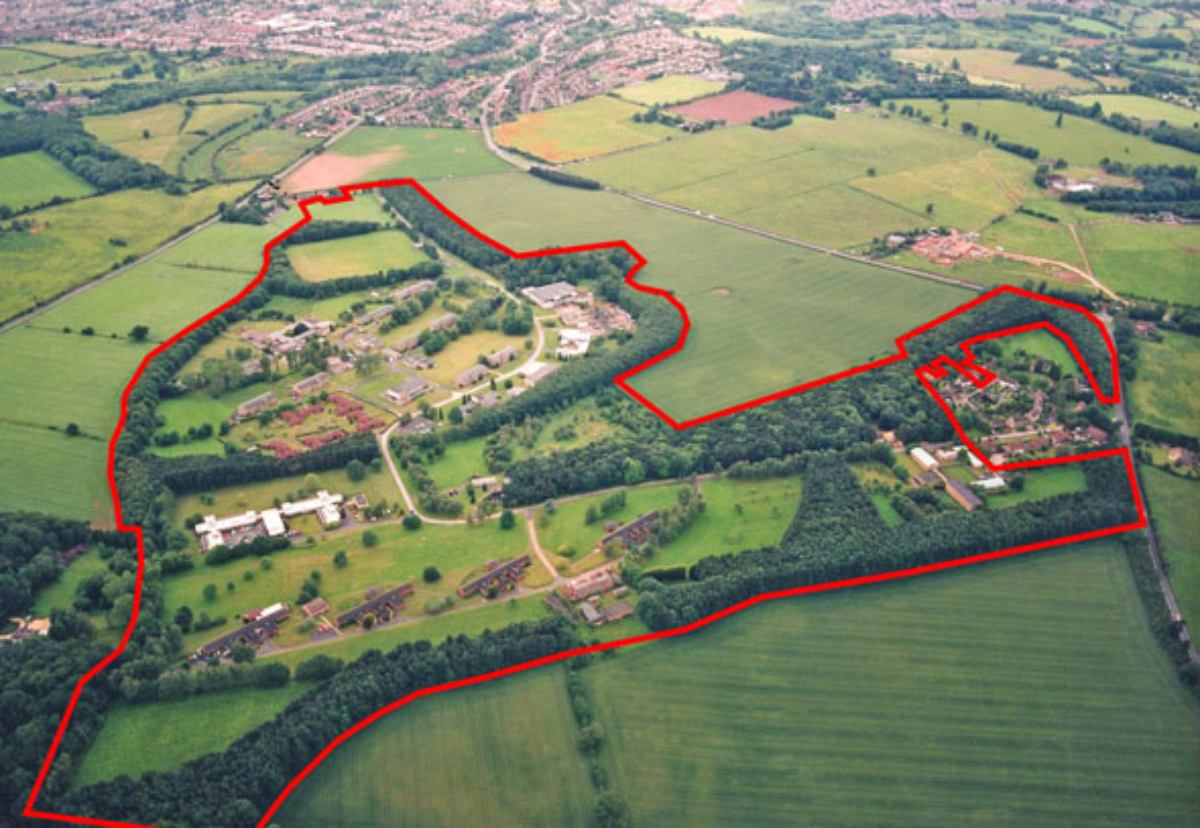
(994, 66)
(71, 246)
(1172, 503)
(374, 153)
(1079, 140)
(741, 291)
(262, 152)
(1138, 106)
(839, 183)
(1154, 261)
(669, 90)
(32, 479)
(737, 107)
(29, 179)
(584, 129)
(1163, 394)
(354, 255)
(503, 753)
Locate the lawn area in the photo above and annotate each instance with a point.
(584, 129)
(72, 247)
(1164, 393)
(1149, 260)
(1032, 236)
(373, 153)
(1079, 141)
(503, 753)
(566, 528)
(741, 291)
(354, 255)
(61, 593)
(671, 89)
(993, 66)
(261, 152)
(1138, 106)
(1041, 484)
(29, 179)
(1040, 344)
(1172, 505)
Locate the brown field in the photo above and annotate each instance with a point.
(331, 170)
(733, 107)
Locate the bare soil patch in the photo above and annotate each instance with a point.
(733, 107)
(332, 170)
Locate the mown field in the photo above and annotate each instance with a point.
(1149, 260)
(840, 183)
(584, 129)
(1138, 106)
(1019, 233)
(1163, 393)
(993, 66)
(374, 153)
(669, 90)
(262, 152)
(743, 293)
(354, 255)
(29, 179)
(1172, 504)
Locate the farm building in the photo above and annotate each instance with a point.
(962, 495)
(990, 484)
(469, 377)
(310, 385)
(414, 290)
(554, 295)
(254, 407)
(407, 391)
(443, 322)
(381, 606)
(501, 574)
(596, 582)
(637, 531)
(502, 357)
(315, 607)
(573, 343)
(923, 459)
(591, 615)
(535, 372)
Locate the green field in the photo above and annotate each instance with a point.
(1041, 484)
(1019, 233)
(262, 152)
(728, 34)
(1164, 394)
(741, 291)
(1172, 504)
(1080, 141)
(29, 179)
(375, 153)
(501, 754)
(672, 89)
(1042, 344)
(1155, 261)
(584, 129)
(1138, 106)
(354, 255)
(993, 66)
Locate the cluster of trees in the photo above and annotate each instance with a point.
(324, 230)
(32, 548)
(564, 179)
(257, 547)
(281, 280)
(251, 772)
(1166, 192)
(1022, 150)
(611, 809)
(429, 496)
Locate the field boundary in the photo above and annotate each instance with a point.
(346, 194)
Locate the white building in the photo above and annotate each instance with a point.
(272, 521)
(990, 484)
(923, 459)
(573, 343)
(324, 505)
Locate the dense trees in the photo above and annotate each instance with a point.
(33, 550)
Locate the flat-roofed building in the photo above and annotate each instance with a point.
(407, 391)
(502, 357)
(923, 459)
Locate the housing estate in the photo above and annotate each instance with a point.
(381, 606)
(502, 575)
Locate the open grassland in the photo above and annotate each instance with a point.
(1172, 504)
(29, 179)
(500, 754)
(61, 593)
(567, 534)
(584, 129)
(1138, 106)
(164, 134)
(993, 66)
(19, 60)
(374, 153)
(1079, 140)
(1041, 484)
(1154, 261)
(743, 293)
(1164, 392)
(46, 471)
(669, 90)
(262, 152)
(354, 255)
(72, 244)
(839, 183)
(729, 34)
(1032, 236)
(1040, 343)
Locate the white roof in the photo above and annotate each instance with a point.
(923, 457)
(274, 609)
(309, 505)
(273, 522)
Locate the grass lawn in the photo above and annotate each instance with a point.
(1153, 261)
(28, 179)
(163, 134)
(567, 528)
(261, 152)
(1172, 505)
(729, 34)
(587, 128)
(1137, 106)
(1039, 485)
(1019, 233)
(61, 593)
(503, 753)
(354, 255)
(671, 89)
(742, 292)
(993, 66)
(1164, 392)
(1040, 344)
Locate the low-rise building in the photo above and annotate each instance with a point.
(310, 385)
(596, 582)
(923, 459)
(502, 357)
(415, 289)
(573, 343)
(536, 372)
(407, 391)
(471, 376)
(443, 322)
(554, 295)
(254, 407)
(962, 495)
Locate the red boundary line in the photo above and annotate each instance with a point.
(968, 367)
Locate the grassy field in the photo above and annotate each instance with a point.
(672, 89)
(839, 183)
(163, 134)
(502, 754)
(1156, 261)
(729, 34)
(1138, 106)
(354, 255)
(1163, 393)
(28, 179)
(1040, 344)
(567, 529)
(1019, 233)
(72, 246)
(61, 593)
(262, 152)
(741, 291)
(1172, 504)
(373, 153)
(584, 129)
(993, 66)
(1041, 484)
(1079, 140)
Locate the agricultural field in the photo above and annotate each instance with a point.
(375, 153)
(354, 255)
(729, 34)
(1032, 236)
(1079, 141)
(259, 153)
(669, 90)
(30, 179)
(993, 66)
(740, 290)
(1172, 503)
(737, 107)
(584, 129)
(72, 247)
(1148, 260)
(1138, 106)
(1162, 394)
(31, 474)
